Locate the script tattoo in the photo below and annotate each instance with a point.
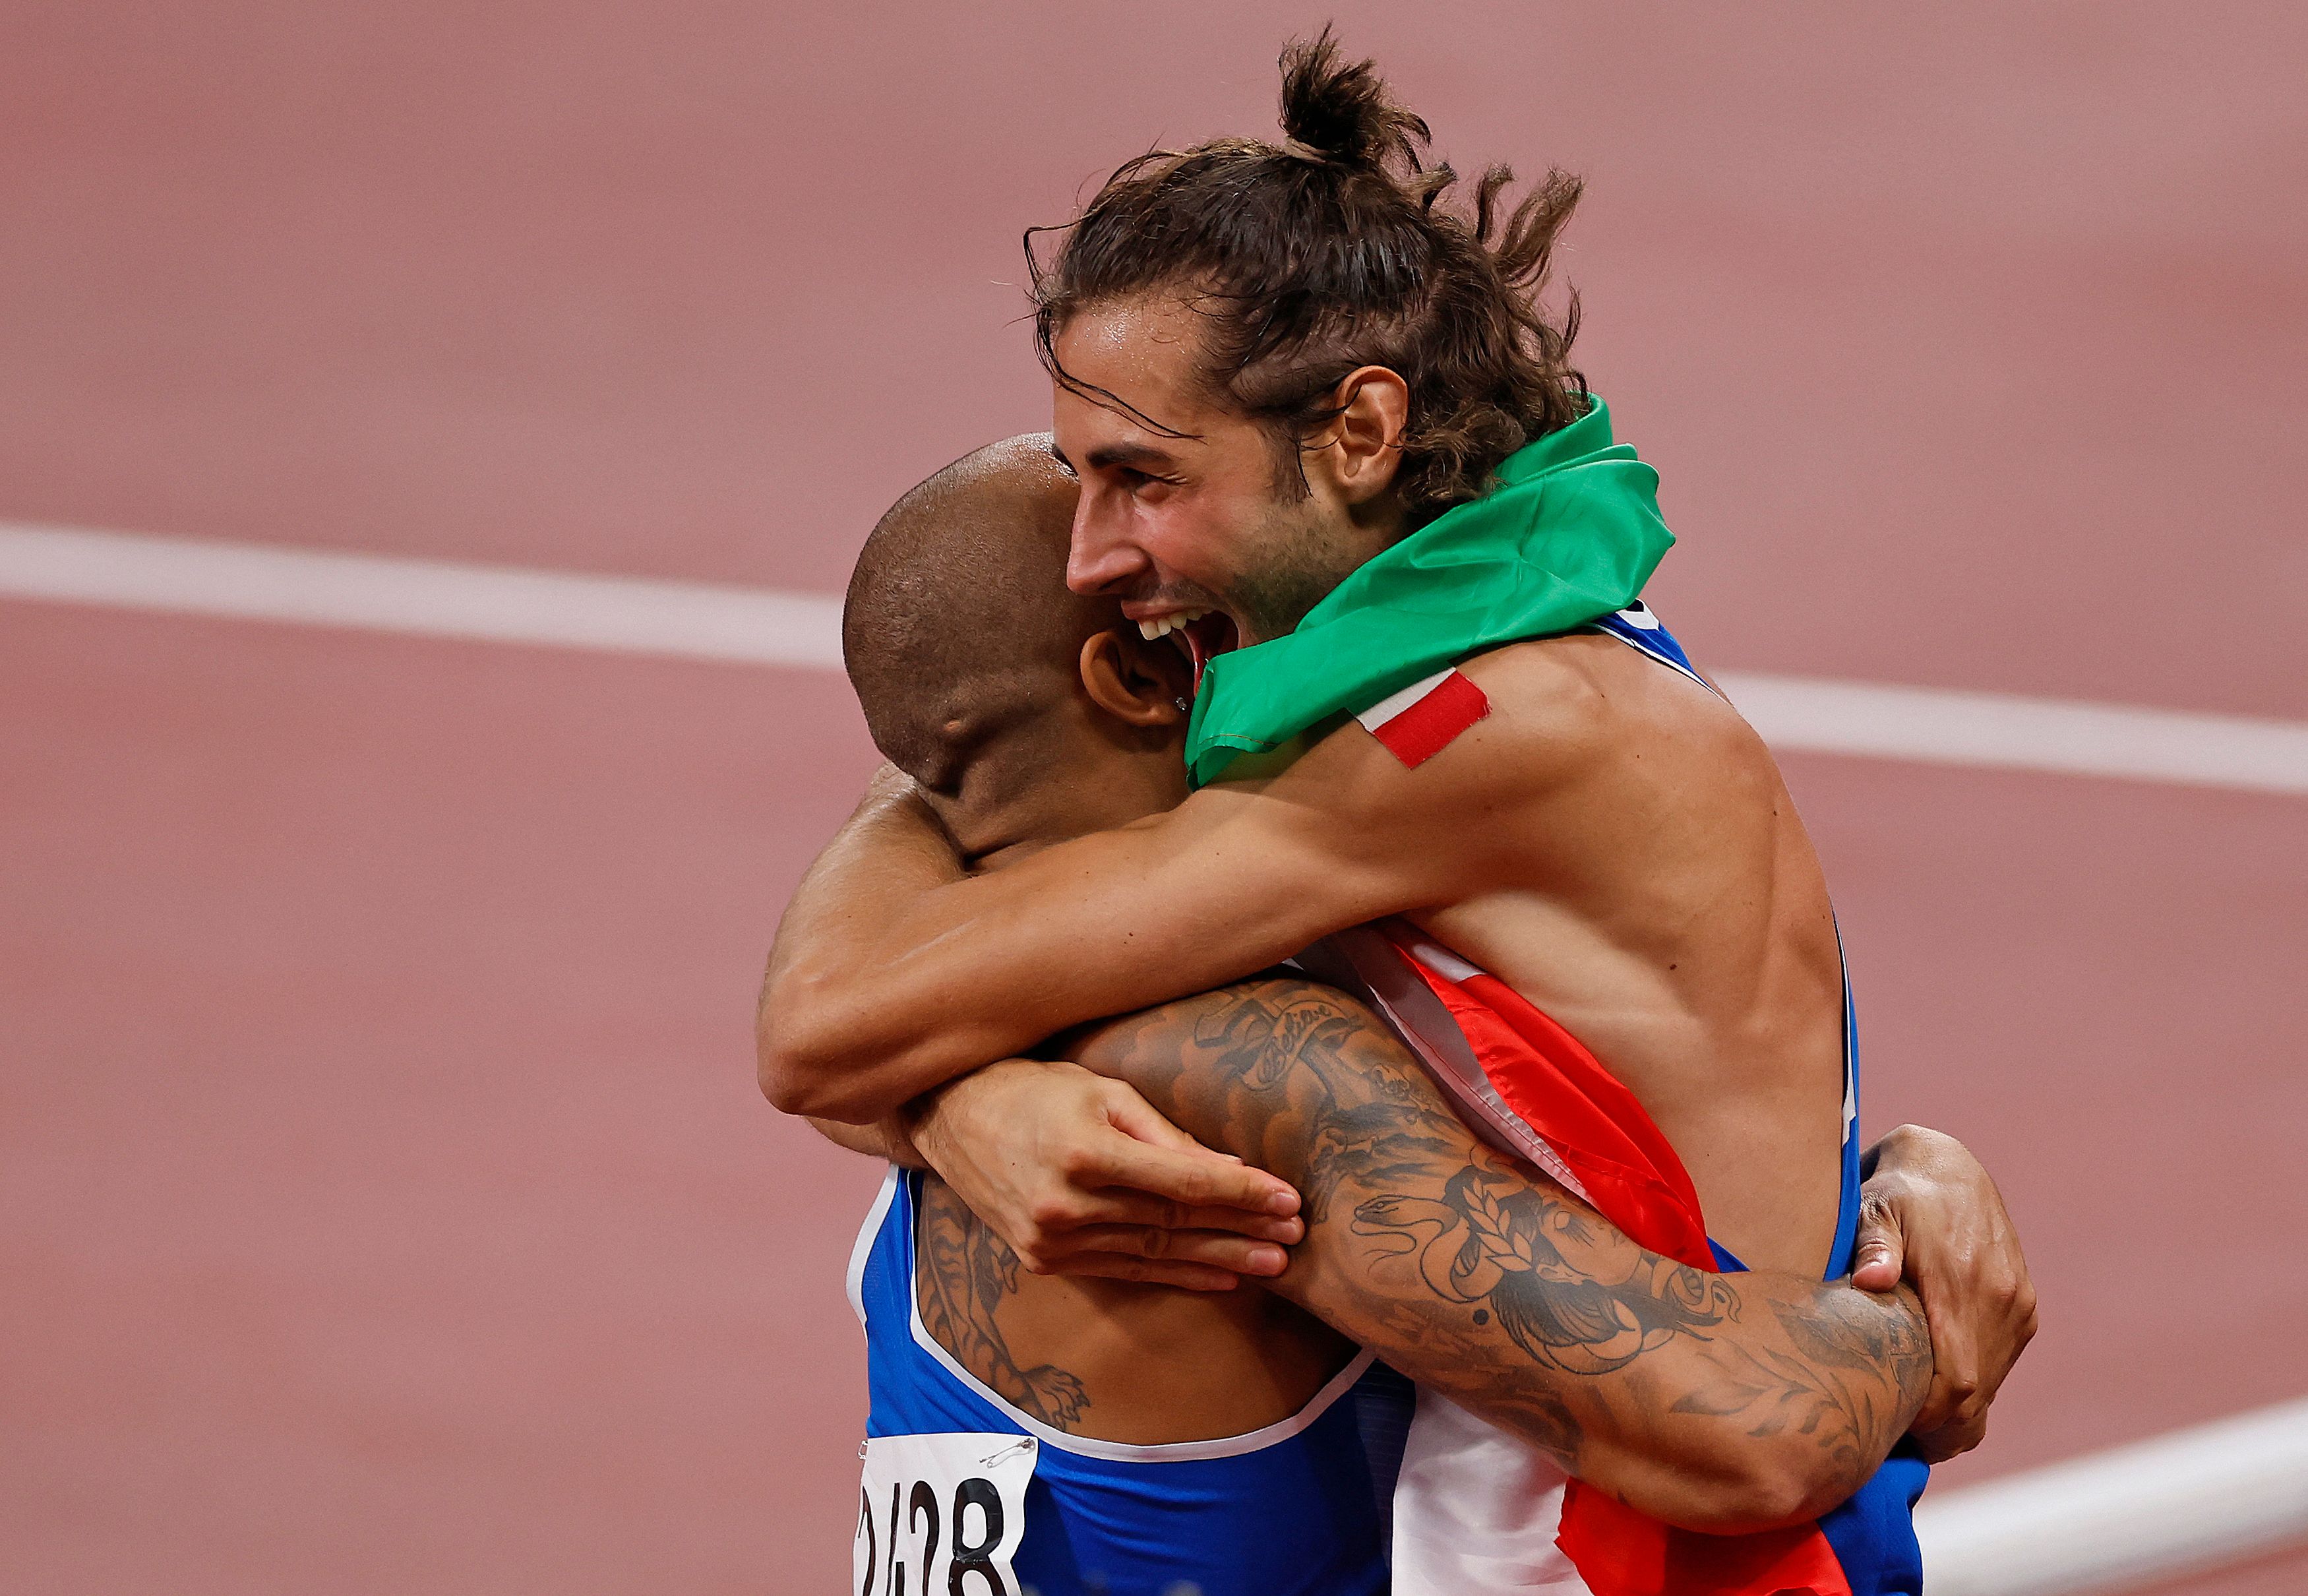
(966, 1270)
(1467, 1268)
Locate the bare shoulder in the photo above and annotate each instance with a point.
(1585, 705)
(1562, 712)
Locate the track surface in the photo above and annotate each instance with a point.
(390, 1205)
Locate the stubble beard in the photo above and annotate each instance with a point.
(1299, 560)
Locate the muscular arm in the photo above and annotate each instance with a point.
(1714, 1402)
(893, 972)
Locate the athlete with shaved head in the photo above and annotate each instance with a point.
(1327, 441)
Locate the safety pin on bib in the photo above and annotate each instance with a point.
(1023, 1444)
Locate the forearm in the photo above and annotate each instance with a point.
(1722, 1403)
(811, 1009)
(1715, 1401)
(892, 972)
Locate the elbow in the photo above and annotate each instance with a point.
(788, 1073)
(801, 1063)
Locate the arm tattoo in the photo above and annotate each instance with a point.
(965, 1272)
(1474, 1273)
(1486, 1243)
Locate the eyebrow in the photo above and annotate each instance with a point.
(1113, 454)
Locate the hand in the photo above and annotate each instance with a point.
(1930, 1212)
(1081, 1176)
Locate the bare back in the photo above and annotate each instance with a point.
(1111, 1360)
(1666, 908)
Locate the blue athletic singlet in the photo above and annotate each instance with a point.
(1295, 1509)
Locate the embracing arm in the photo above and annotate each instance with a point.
(1714, 1402)
(893, 972)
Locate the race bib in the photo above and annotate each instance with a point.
(941, 1515)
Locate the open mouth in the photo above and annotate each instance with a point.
(1201, 635)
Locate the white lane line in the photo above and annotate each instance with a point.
(2194, 1499)
(629, 614)
(1943, 727)
(759, 626)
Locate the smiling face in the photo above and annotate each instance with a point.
(1200, 522)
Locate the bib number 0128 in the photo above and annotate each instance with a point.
(941, 1515)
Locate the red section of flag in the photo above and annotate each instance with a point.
(1619, 1552)
(1417, 734)
(1550, 1081)
(1560, 1089)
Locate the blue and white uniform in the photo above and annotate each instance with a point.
(965, 1494)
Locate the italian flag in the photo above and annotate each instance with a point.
(1419, 722)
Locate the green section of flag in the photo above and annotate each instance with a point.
(1570, 534)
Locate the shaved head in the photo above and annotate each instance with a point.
(958, 629)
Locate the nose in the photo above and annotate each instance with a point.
(1102, 557)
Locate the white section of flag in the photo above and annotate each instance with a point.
(1394, 704)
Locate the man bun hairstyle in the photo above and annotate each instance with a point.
(1337, 248)
(1343, 113)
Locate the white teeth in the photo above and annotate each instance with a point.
(1163, 625)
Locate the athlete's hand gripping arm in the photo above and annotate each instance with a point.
(1723, 1402)
(1930, 1210)
(1080, 1196)
(894, 972)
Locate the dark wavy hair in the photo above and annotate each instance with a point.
(1339, 248)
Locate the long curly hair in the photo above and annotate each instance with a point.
(1337, 248)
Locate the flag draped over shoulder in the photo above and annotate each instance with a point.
(1569, 534)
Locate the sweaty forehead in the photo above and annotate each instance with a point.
(1144, 352)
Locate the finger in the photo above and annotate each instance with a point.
(1133, 1115)
(1880, 1256)
(1958, 1352)
(1952, 1440)
(1140, 1119)
(1216, 1248)
(1199, 1180)
(1955, 1374)
(1117, 1206)
(1153, 1271)
(1938, 1402)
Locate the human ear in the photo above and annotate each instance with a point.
(1138, 683)
(1361, 449)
